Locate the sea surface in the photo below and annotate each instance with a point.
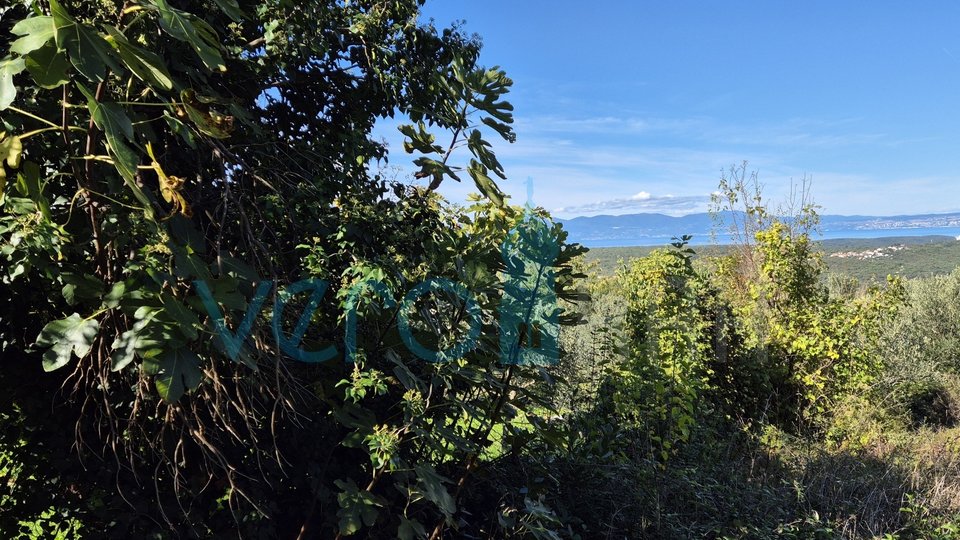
(703, 239)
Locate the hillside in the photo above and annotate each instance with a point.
(862, 258)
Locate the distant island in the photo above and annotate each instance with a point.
(656, 229)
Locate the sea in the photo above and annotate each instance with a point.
(704, 239)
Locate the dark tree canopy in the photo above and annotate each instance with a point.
(149, 145)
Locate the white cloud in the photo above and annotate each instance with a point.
(584, 166)
(665, 204)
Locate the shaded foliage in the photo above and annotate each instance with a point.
(166, 160)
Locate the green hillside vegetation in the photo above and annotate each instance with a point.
(923, 256)
(222, 317)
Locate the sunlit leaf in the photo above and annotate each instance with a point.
(66, 337)
(88, 51)
(8, 68)
(484, 183)
(112, 299)
(139, 340)
(35, 32)
(11, 149)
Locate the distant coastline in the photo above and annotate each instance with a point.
(657, 229)
(867, 259)
(938, 234)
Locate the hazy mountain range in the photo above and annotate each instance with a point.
(653, 229)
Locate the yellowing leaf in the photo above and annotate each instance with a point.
(170, 187)
(11, 149)
(208, 121)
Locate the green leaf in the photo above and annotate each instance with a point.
(420, 139)
(48, 66)
(135, 341)
(231, 265)
(232, 9)
(179, 128)
(187, 321)
(188, 265)
(186, 27)
(88, 51)
(146, 65)
(175, 372)
(124, 350)
(432, 487)
(484, 152)
(8, 68)
(410, 529)
(149, 338)
(113, 298)
(77, 288)
(111, 119)
(357, 507)
(117, 128)
(434, 168)
(484, 183)
(504, 130)
(36, 32)
(28, 182)
(226, 292)
(65, 337)
(126, 161)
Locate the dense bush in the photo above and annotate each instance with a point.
(244, 328)
(178, 175)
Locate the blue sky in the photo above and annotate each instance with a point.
(627, 107)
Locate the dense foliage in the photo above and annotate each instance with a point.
(223, 314)
(169, 166)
